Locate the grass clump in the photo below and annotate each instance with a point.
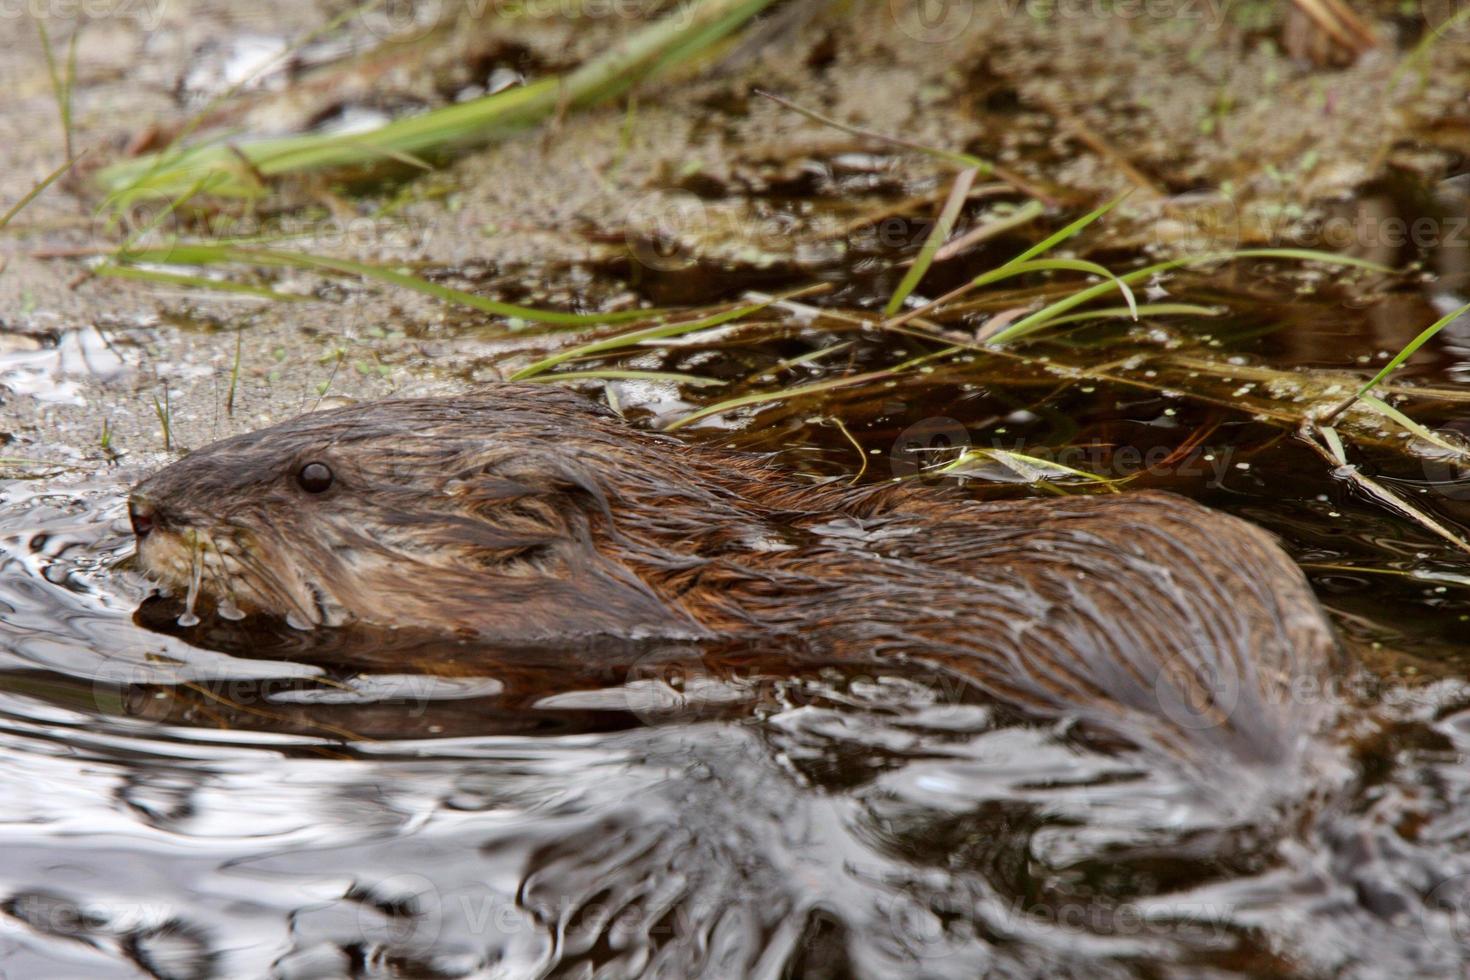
(239, 169)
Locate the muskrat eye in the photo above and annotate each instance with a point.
(314, 477)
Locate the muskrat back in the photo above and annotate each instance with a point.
(525, 513)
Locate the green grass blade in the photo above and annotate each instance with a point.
(1428, 435)
(1411, 347)
(195, 254)
(173, 205)
(1091, 268)
(1050, 241)
(936, 238)
(1033, 469)
(36, 191)
(1019, 264)
(1044, 316)
(1310, 255)
(656, 332)
(61, 82)
(619, 374)
(171, 153)
(197, 282)
(656, 46)
(1146, 310)
(962, 160)
(1419, 56)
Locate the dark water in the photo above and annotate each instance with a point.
(243, 800)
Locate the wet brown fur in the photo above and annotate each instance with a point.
(526, 514)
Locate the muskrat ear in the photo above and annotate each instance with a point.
(530, 474)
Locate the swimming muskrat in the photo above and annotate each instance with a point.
(528, 514)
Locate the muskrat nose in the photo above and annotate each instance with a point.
(140, 512)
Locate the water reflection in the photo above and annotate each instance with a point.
(247, 800)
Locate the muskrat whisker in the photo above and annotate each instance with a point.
(224, 582)
(272, 583)
(196, 578)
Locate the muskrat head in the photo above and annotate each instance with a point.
(461, 514)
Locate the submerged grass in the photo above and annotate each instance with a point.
(1049, 314)
(633, 338)
(800, 391)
